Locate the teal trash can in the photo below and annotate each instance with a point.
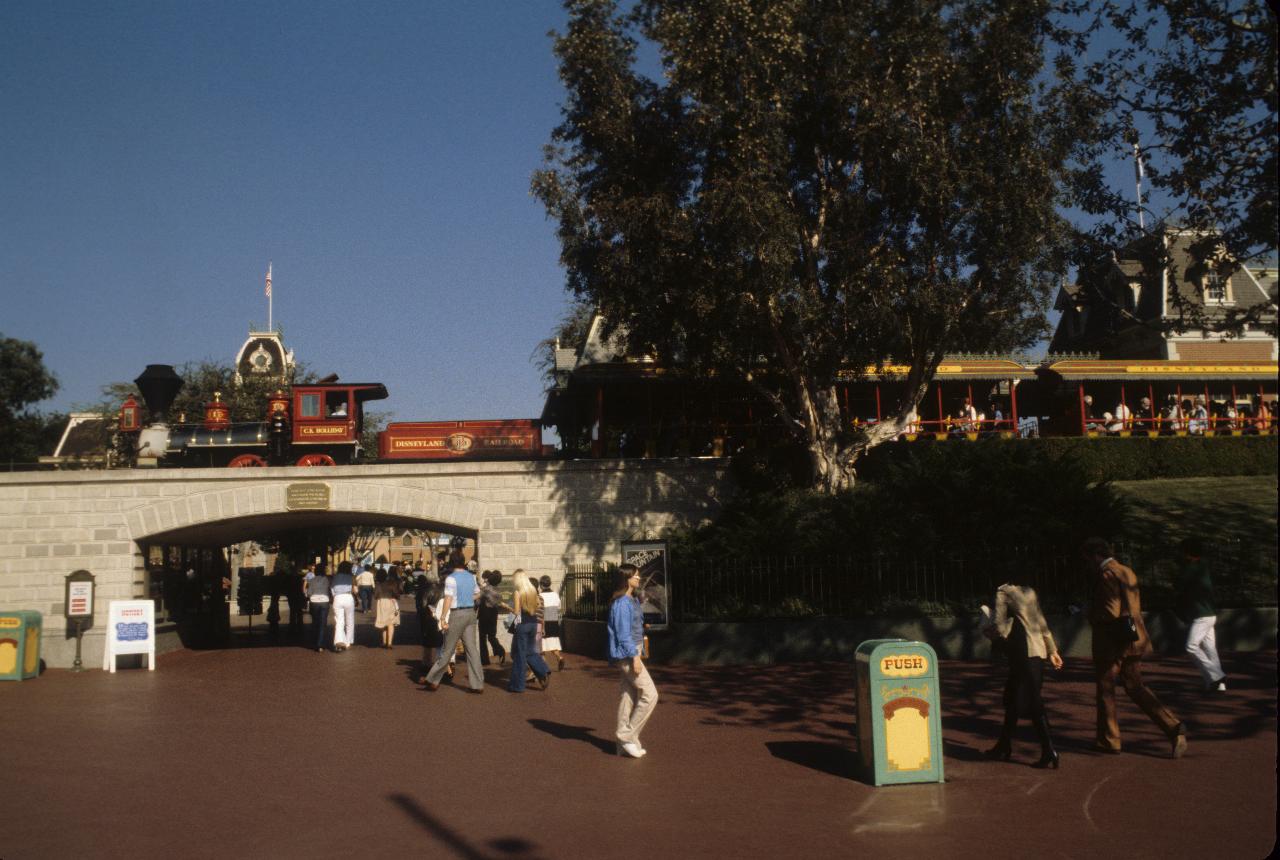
(899, 712)
(19, 644)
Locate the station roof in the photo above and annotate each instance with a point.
(1120, 369)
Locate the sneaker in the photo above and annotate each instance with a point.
(630, 749)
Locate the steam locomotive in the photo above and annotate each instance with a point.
(313, 425)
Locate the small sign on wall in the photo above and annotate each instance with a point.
(79, 598)
(307, 497)
(655, 588)
(131, 629)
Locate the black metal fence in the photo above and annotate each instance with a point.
(882, 584)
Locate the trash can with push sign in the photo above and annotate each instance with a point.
(19, 644)
(899, 712)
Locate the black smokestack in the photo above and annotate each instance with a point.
(159, 386)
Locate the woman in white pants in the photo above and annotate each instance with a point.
(344, 607)
(626, 646)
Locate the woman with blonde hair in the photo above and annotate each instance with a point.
(524, 652)
(1020, 626)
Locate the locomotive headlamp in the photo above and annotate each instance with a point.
(130, 416)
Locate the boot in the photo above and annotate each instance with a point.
(1048, 755)
(1003, 750)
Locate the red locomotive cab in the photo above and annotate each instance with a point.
(130, 416)
(216, 414)
(328, 419)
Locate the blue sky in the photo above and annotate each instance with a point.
(154, 156)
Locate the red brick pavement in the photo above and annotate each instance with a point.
(282, 752)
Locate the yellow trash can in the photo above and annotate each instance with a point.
(19, 644)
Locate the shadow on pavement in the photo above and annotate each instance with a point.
(573, 733)
(820, 756)
(509, 846)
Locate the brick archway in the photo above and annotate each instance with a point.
(262, 507)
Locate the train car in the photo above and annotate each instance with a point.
(968, 398)
(505, 439)
(1124, 397)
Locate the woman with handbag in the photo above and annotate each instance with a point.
(525, 656)
(1019, 624)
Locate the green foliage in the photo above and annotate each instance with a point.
(1194, 84)
(1191, 86)
(811, 186)
(922, 499)
(1109, 459)
(247, 401)
(25, 434)
(570, 333)
(24, 379)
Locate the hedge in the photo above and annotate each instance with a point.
(1110, 458)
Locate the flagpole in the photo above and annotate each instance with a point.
(1137, 178)
(269, 297)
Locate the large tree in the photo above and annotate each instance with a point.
(1189, 87)
(25, 433)
(811, 187)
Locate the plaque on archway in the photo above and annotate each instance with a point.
(307, 497)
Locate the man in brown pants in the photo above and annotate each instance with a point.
(1115, 594)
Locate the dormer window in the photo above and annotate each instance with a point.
(1215, 287)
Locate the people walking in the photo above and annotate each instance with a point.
(549, 621)
(490, 605)
(1197, 609)
(344, 607)
(426, 592)
(1020, 625)
(365, 582)
(387, 594)
(1120, 641)
(319, 597)
(458, 621)
(625, 628)
(296, 598)
(525, 656)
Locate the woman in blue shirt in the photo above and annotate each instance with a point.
(626, 642)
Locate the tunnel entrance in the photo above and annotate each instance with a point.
(240, 582)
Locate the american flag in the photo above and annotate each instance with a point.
(268, 280)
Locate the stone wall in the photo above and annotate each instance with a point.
(534, 515)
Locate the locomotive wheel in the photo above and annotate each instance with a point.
(315, 460)
(246, 460)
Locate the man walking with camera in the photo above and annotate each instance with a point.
(1120, 641)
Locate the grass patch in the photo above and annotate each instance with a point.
(1169, 509)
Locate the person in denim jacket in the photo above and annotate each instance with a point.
(626, 642)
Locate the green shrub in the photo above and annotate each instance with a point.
(1102, 459)
(930, 499)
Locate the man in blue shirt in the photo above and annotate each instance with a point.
(458, 621)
